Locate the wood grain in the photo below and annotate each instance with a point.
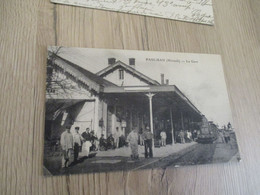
(27, 27)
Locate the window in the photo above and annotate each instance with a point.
(121, 74)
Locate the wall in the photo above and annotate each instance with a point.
(129, 79)
(85, 118)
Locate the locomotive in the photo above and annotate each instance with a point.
(208, 131)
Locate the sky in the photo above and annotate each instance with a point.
(199, 76)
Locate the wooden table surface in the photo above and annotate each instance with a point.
(27, 27)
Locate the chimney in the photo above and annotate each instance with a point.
(167, 81)
(111, 61)
(132, 62)
(162, 79)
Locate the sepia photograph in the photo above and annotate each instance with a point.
(126, 110)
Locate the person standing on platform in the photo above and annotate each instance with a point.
(132, 139)
(66, 141)
(86, 135)
(87, 142)
(189, 136)
(229, 126)
(116, 136)
(148, 143)
(77, 138)
(194, 135)
(226, 136)
(163, 138)
(182, 136)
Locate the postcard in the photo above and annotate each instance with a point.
(127, 110)
(198, 11)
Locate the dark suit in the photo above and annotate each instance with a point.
(148, 144)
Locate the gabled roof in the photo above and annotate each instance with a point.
(127, 68)
(88, 78)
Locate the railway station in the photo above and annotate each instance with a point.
(99, 102)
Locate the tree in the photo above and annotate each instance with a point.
(58, 82)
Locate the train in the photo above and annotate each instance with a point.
(208, 132)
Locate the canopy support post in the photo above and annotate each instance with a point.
(172, 128)
(150, 96)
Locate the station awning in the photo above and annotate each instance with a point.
(55, 106)
(164, 95)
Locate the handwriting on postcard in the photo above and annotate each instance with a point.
(198, 11)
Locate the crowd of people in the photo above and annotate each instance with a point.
(187, 136)
(224, 133)
(88, 141)
(73, 144)
(76, 143)
(112, 142)
(85, 143)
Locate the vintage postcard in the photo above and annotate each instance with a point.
(198, 11)
(125, 110)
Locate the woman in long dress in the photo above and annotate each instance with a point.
(132, 139)
(86, 148)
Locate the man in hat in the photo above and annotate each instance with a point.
(86, 135)
(132, 139)
(66, 141)
(148, 142)
(77, 138)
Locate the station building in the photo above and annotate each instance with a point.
(118, 96)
